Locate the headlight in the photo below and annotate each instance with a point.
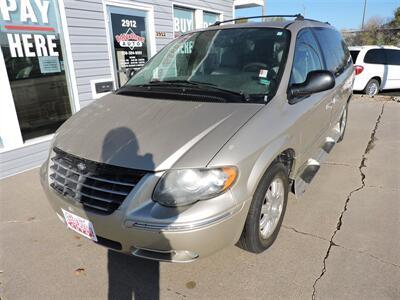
(186, 186)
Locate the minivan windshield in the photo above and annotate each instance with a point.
(245, 61)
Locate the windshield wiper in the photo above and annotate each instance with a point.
(176, 82)
(201, 85)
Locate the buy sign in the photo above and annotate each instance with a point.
(26, 44)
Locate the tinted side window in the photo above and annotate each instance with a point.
(375, 56)
(393, 57)
(307, 57)
(335, 51)
(354, 55)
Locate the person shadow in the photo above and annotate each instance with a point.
(129, 277)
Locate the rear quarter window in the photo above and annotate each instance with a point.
(375, 56)
(354, 55)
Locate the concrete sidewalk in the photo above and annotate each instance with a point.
(341, 240)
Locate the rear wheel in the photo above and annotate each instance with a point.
(372, 87)
(267, 210)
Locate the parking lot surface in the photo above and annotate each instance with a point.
(341, 240)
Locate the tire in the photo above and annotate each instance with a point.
(252, 238)
(343, 123)
(372, 88)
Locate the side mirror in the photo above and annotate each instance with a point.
(129, 72)
(316, 81)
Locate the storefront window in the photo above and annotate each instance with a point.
(183, 20)
(30, 39)
(209, 18)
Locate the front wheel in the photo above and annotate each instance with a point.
(372, 87)
(267, 210)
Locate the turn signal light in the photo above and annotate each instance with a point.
(358, 69)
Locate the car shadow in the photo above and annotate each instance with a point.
(129, 277)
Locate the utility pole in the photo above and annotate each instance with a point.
(363, 17)
(264, 9)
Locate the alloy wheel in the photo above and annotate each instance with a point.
(372, 89)
(271, 209)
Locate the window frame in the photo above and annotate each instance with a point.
(198, 14)
(210, 12)
(323, 61)
(12, 135)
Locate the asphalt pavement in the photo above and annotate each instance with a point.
(341, 240)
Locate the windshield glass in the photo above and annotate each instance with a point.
(242, 60)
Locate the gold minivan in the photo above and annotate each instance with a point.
(201, 147)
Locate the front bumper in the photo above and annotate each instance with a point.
(176, 241)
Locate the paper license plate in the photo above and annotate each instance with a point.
(80, 225)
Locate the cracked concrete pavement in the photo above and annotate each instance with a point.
(341, 240)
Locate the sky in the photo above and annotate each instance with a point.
(343, 14)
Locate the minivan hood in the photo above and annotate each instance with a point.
(152, 134)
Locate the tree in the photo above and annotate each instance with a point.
(351, 37)
(392, 28)
(396, 20)
(371, 34)
(378, 31)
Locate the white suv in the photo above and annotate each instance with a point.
(376, 67)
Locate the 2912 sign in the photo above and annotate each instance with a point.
(128, 23)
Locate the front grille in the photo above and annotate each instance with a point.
(99, 187)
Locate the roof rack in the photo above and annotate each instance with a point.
(297, 17)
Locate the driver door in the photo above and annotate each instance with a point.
(314, 110)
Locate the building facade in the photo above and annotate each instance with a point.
(57, 56)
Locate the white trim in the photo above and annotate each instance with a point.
(149, 9)
(9, 125)
(184, 5)
(198, 18)
(31, 142)
(68, 51)
(109, 46)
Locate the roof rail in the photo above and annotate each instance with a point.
(297, 17)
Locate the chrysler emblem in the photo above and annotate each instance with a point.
(81, 166)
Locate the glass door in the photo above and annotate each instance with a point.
(129, 39)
